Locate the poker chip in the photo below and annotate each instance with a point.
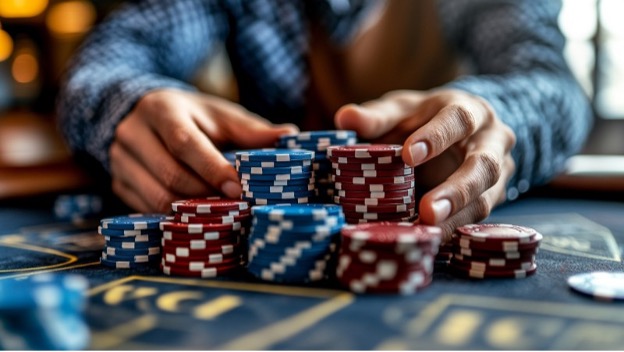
(374, 180)
(278, 164)
(133, 222)
(146, 258)
(199, 228)
(293, 243)
(377, 195)
(403, 171)
(483, 251)
(210, 272)
(387, 257)
(275, 155)
(133, 245)
(198, 219)
(127, 233)
(365, 151)
(77, 207)
(287, 170)
(212, 258)
(605, 286)
(128, 252)
(208, 235)
(209, 205)
(32, 307)
(373, 187)
(369, 165)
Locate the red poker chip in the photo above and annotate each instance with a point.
(209, 205)
(365, 151)
(395, 266)
(374, 201)
(493, 265)
(185, 251)
(358, 249)
(226, 219)
(396, 161)
(497, 232)
(375, 173)
(396, 180)
(375, 195)
(503, 246)
(379, 209)
(200, 244)
(379, 215)
(359, 165)
(397, 286)
(374, 187)
(199, 228)
(212, 257)
(214, 261)
(484, 254)
(210, 235)
(487, 274)
(205, 273)
(389, 233)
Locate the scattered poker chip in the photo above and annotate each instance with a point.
(208, 205)
(127, 252)
(365, 151)
(276, 155)
(133, 222)
(605, 286)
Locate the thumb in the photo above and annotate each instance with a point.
(373, 119)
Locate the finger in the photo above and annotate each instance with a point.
(129, 196)
(454, 122)
(377, 117)
(483, 167)
(128, 171)
(188, 143)
(157, 160)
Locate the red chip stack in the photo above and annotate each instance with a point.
(372, 183)
(495, 251)
(387, 257)
(203, 238)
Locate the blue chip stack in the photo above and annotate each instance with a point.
(318, 142)
(43, 312)
(276, 176)
(294, 243)
(77, 207)
(132, 241)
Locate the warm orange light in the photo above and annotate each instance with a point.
(22, 8)
(6, 45)
(25, 68)
(71, 17)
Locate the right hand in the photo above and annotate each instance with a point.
(167, 148)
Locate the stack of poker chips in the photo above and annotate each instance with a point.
(77, 207)
(132, 241)
(276, 176)
(44, 312)
(494, 251)
(387, 257)
(294, 243)
(318, 142)
(373, 183)
(203, 238)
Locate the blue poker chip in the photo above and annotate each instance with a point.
(42, 291)
(278, 189)
(303, 211)
(267, 164)
(143, 258)
(126, 264)
(278, 177)
(272, 154)
(140, 238)
(255, 170)
(333, 135)
(283, 195)
(292, 182)
(133, 222)
(124, 252)
(265, 201)
(133, 245)
(127, 233)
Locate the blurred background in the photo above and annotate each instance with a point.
(37, 37)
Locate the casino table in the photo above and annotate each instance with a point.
(143, 309)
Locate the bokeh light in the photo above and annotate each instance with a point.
(22, 8)
(71, 17)
(25, 68)
(6, 45)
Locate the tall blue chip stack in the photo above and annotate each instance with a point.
(276, 176)
(294, 243)
(318, 142)
(43, 312)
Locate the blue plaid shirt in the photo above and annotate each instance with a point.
(514, 47)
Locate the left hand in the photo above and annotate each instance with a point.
(459, 146)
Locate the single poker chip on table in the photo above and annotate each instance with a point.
(208, 205)
(359, 151)
(133, 222)
(601, 285)
(275, 155)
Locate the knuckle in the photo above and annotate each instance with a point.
(490, 166)
(465, 117)
(178, 140)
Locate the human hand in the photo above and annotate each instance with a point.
(460, 148)
(167, 148)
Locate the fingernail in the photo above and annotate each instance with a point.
(418, 152)
(441, 210)
(231, 189)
